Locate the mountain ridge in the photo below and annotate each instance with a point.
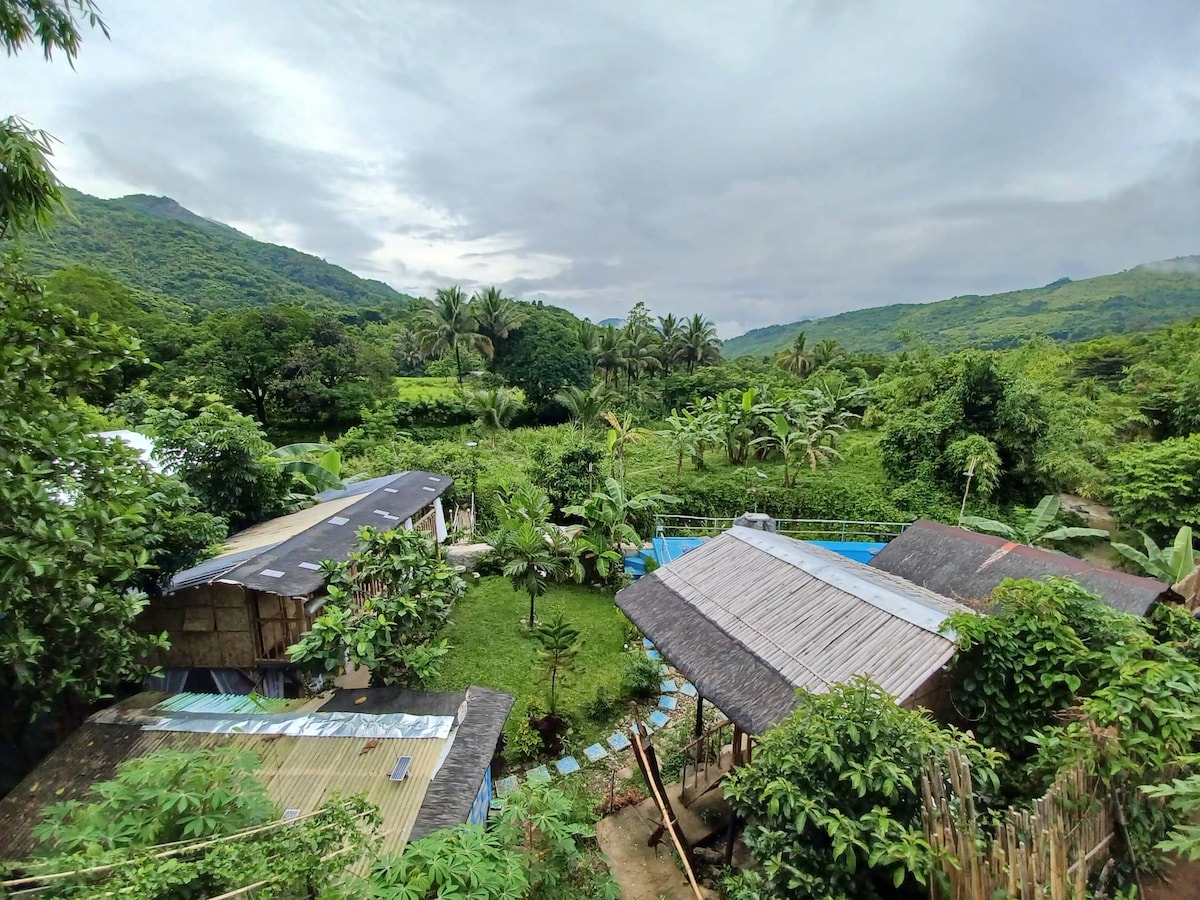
(157, 245)
(1141, 298)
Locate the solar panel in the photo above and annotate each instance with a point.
(289, 814)
(401, 770)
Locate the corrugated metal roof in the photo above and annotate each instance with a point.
(750, 616)
(301, 772)
(226, 703)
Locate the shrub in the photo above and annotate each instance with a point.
(602, 706)
(833, 797)
(1155, 488)
(641, 677)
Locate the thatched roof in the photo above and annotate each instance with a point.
(968, 566)
(283, 555)
(749, 617)
(301, 770)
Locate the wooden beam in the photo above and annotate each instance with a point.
(649, 767)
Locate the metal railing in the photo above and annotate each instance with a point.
(808, 529)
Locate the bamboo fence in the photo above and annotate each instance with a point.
(1045, 851)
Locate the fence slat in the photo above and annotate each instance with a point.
(1045, 851)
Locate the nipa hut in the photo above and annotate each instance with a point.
(231, 618)
(749, 617)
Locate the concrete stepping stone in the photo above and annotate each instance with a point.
(667, 702)
(688, 688)
(654, 654)
(647, 643)
(664, 669)
(507, 785)
(595, 753)
(618, 741)
(659, 719)
(668, 686)
(540, 775)
(567, 765)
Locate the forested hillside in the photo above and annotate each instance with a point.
(154, 244)
(1148, 296)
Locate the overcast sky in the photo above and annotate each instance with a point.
(756, 162)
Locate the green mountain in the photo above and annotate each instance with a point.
(1138, 299)
(155, 245)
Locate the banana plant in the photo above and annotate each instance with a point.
(323, 475)
(1036, 529)
(1172, 564)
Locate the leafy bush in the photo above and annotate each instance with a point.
(170, 795)
(832, 798)
(534, 849)
(386, 603)
(641, 677)
(1039, 649)
(1155, 488)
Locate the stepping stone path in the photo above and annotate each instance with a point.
(618, 741)
(539, 775)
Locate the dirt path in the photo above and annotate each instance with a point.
(1184, 883)
(644, 873)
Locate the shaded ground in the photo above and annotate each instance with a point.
(1182, 883)
(648, 873)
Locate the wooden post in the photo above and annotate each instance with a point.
(729, 836)
(643, 750)
(698, 729)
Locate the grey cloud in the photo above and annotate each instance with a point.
(757, 163)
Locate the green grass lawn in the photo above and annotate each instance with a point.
(492, 648)
(426, 388)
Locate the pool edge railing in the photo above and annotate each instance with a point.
(807, 529)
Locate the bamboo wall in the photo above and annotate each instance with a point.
(209, 627)
(1046, 851)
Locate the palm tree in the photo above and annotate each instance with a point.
(607, 512)
(610, 354)
(641, 349)
(585, 407)
(671, 349)
(497, 316)
(680, 438)
(825, 352)
(405, 350)
(700, 343)
(493, 409)
(797, 358)
(448, 323)
(1036, 528)
(529, 557)
(588, 335)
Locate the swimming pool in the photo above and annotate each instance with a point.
(666, 549)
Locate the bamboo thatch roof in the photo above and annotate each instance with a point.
(749, 617)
